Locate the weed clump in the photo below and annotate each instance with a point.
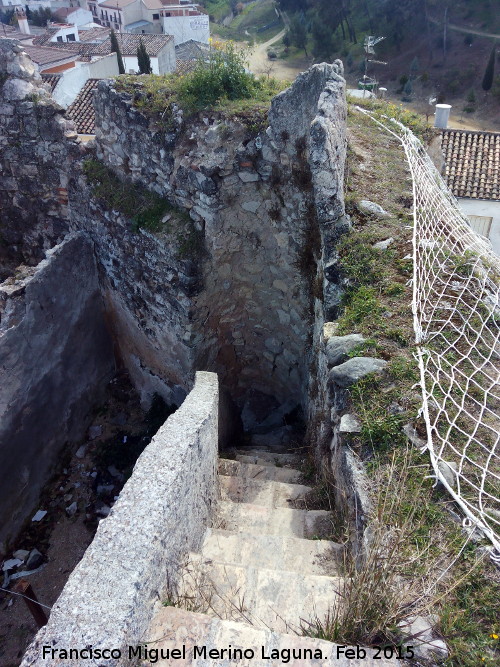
(145, 208)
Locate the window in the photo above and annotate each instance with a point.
(481, 224)
(156, 17)
(59, 39)
(117, 27)
(70, 38)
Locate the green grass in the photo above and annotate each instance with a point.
(248, 25)
(219, 9)
(410, 518)
(411, 119)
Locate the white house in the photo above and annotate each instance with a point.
(183, 20)
(160, 48)
(74, 15)
(62, 32)
(115, 13)
(472, 173)
(72, 81)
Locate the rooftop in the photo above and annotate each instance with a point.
(10, 32)
(95, 34)
(129, 43)
(472, 163)
(90, 35)
(191, 50)
(45, 55)
(82, 109)
(51, 79)
(116, 4)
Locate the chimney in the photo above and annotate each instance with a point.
(442, 116)
(22, 21)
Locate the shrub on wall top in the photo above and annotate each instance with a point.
(220, 75)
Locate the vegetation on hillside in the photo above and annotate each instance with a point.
(38, 17)
(251, 21)
(423, 59)
(415, 533)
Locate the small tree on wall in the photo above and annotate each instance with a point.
(143, 59)
(115, 48)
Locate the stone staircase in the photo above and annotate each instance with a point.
(262, 574)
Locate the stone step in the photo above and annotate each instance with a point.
(320, 557)
(260, 520)
(282, 601)
(261, 492)
(269, 472)
(172, 628)
(281, 452)
(260, 457)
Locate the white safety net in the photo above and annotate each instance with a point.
(456, 314)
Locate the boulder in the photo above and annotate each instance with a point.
(419, 633)
(354, 370)
(35, 559)
(449, 470)
(338, 347)
(72, 509)
(373, 209)
(349, 424)
(383, 245)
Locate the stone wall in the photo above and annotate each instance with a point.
(147, 293)
(55, 359)
(44, 196)
(37, 156)
(266, 196)
(328, 421)
(253, 196)
(161, 515)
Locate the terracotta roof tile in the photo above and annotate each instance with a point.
(9, 32)
(128, 45)
(94, 34)
(185, 66)
(82, 110)
(191, 50)
(51, 79)
(472, 163)
(45, 55)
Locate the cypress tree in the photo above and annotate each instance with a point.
(489, 72)
(115, 48)
(143, 59)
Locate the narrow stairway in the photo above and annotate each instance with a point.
(263, 574)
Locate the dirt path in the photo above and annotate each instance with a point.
(259, 63)
(467, 31)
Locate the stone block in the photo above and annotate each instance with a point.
(248, 176)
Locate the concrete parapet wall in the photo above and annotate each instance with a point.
(55, 358)
(161, 515)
